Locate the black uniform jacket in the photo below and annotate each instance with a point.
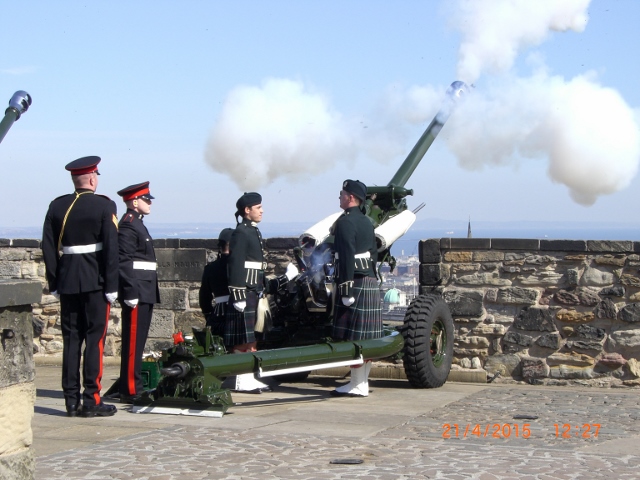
(355, 248)
(91, 221)
(214, 283)
(138, 277)
(246, 261)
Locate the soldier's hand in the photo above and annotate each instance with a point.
(240, 306)
(292, 272)
(132, 303)
(111, 297)
(348, 301)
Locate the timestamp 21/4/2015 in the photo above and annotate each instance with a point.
(507, 430)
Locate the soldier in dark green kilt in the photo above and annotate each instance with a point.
(214, 289)
(357, 313)
(246, 283)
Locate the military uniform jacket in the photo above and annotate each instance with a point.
(138, 274)
(246, 261)
(355, 249)
(85, 257)
(214, 283)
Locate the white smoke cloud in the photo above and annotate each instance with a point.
(280, 129)
(495, 31)
(586, 131)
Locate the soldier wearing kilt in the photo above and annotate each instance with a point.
(214, 288)
(138, 290)
(246, 284)
(357, 314)
(80, 250)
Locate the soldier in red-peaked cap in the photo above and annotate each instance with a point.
(80, 250)
(138, 291)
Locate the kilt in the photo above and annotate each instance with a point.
(239, 326)
(217, 319)
(363, 319)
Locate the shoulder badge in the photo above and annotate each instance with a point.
(115, 220)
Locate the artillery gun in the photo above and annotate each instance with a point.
(299, 339)
(18, 104)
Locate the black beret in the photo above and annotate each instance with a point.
(225, 235)
(248, 200)
(83, 165)
(355, 188)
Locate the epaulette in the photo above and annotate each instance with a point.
(129, 217)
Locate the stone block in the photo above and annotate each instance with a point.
(173, 298)
(185, 321)
(464, 303)
(574, 316)
(25, 243)
(470, 243)
(609, 246)
(431, 274)
(429, 251)
(514, 244)
(535, 319)
(574, 359)
(206, 243)
(16, 351)
(162, 325)
(181, 265)
(549, 340)
(16, 410)
(19, 292)
(563, 245)
(534, 368)
(630, 313)
(517, 296)
(596, 277)
(568, 372)
(518, 338)
(508, 365)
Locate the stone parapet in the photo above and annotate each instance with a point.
(540, 311)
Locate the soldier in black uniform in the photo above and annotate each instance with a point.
(80, 249)
(138, 287)
(214, 289)
(357, 300)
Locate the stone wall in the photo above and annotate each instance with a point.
(180, 266)
(540, 311)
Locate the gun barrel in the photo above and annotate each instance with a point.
(18, 104)
(454, 92)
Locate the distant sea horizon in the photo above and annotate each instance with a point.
(407, 244)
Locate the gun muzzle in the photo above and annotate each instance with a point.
(19, 103)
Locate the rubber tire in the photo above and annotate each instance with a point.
(419, 366)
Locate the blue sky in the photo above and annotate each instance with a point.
(332, 90)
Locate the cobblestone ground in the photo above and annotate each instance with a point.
(415, 449)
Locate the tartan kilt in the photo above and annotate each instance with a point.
(239, 326)
(363, 319)
(217, 319)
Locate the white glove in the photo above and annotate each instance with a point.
(111, 297)
(348, 301)
(292, 272)
(132, 303)
(55, 294)
(240, 306)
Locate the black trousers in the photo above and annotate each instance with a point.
(135, 330)
(83, 318)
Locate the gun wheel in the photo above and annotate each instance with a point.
(428, 342)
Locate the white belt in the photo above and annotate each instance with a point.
(253, 265)
(144, 265)
(357, 255)
(96, 247)
(224, 299)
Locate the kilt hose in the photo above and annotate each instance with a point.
(363, 319)
(83, 319)
(239, 326)
(135, 330)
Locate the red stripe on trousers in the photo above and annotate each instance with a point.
(96, 396)
(133, 330)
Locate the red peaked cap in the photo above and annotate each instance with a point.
(136, 191)
(83, 165)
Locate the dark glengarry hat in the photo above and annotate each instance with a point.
(139, 190)
(355, 188)
(248, 200)
(83, 165)
(225, 235)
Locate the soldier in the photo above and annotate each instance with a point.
(357, 310)
(214, 289)
(246, 283)
(138, 287)
(80, 249)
